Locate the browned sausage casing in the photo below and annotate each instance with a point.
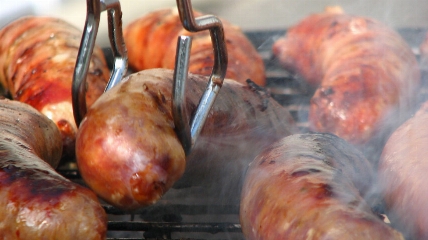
(152, 41)
(366, 74)
(127, 150)
(310, 186)
(402, 172)
(35, 201)
(37, 60)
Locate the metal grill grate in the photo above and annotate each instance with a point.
(177, 216)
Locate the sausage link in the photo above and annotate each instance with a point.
(365, 73)
(37, 60)
(402, 171)
(310, 186)
(35, 201)
(128, 153)
(152, 41)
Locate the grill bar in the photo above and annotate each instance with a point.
(168, 208)
(175, 227)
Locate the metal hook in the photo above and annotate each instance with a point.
(93, 12)
(186, 134)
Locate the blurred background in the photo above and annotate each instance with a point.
(248, 14)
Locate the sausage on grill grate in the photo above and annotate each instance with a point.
(37, 60)
(310, 186)
(128, 153)
(152, 41)
(365, 73)
(35, 201)
(402, 173)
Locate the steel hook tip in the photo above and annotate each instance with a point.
(93, 13)
(189, 134)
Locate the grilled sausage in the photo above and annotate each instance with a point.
(127, 150)
(37, 60)
(365, 73)
(310, 186)
(152, 41)
(35, 201)
(402, 175)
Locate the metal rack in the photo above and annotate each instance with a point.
(179, 215)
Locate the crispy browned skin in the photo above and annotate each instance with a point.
(151, 42)
(127, 150)
(35, 201)
(310, 186)
(402, 173)
(366, 74)
(37, 60)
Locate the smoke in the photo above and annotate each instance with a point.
(316, 180)
(217, 166)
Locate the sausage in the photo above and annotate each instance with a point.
(37, 202)
(402, 171)
(127, 150)
(311, 186)
(151, 41)
(37, 61)
(365, 74)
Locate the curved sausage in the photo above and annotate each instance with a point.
(35, 201)
(365, 73)
(37, 60)
(310, 186)
(152, 41)
(402, 175)
(128, 153)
